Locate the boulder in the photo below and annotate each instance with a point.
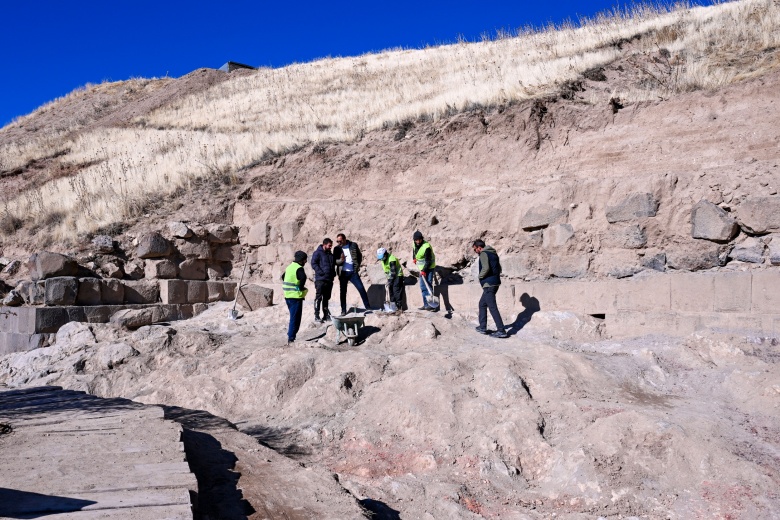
(633, 207)
(214, 271)
(541, 216)
(133, 318)
(162, 269)
(656, 261)
(630, 236)
(252, 297)
(617, 263)
(194, 247)
(103, 244)
(61, 290)
(569, 266)
(221, 233)
(192, 269)
(34, 293)
(11, 268)
(710, 222)
(515, 266)
(111, 356)
(142, 291)
(557, 235)
(134, 271)
(113, 270)
(153, 245)
(258, 234)
(759, 215)
(112, 292)
(45, 265)
(750, 250)
(227, 253)
(179, 230)
(89, 292)
(289, 230)
(694, 256)
(13, 299)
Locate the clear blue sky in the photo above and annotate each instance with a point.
(52, 47)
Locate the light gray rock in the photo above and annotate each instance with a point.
(221, 233)
(655, 261)
(89, 292)
(557, 235)
(633, 207)
(760, 214)
(617, 263)
(103, 244)
(192, 269)
(132, 318)
(13, 299)
(112, 292)
(774, 252)
(134, 271)
(113, 270)
(11, 268)
(4, 261)
(541, 216)
(289, 230)
(33, 293)
(179, 230)
(142, 291)
(750, 250)
(111, 356)
(214, 271)
(515, 265)
(376, 274)
(162, 269)
(569, 266)
(258, 234)
(710, 222)
(252, 297)
(630, 236)
(45, 265)
(74, 335)
(61, 290)
(194, 247)
(153, 245)
(694, 256)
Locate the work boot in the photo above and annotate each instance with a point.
(499, 334)
(424, 308)
(481, 330)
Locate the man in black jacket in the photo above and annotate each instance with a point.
(324, 272)
(348, 260)
(490, 279)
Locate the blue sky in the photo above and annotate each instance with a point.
(53, 47)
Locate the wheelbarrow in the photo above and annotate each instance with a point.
(349, 325)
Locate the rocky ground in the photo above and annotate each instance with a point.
(427, 419)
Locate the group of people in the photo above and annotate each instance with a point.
(343, 262)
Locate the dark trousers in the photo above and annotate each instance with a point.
(488, 301)
(351, 277)
(396, 290)
(296, 311)
(324, 289)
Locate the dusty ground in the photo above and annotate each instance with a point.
(431, 420)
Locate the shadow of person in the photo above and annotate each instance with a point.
(379, 510)
(530, 306)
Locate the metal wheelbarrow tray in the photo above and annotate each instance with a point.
(349, 325)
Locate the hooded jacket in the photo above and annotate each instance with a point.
(489, 268)
(323, 264)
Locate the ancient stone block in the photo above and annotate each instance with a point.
(214, 271)
(252, 297)
(557, 235)
(230, 290)
(197, 292)
(142, 291)
(194, 247)
(153, 245)
(376, 274)
(626, 237)
(289, 230)
(633, 207)
(654, 261)
(750, 250)
(112, 292)
(215, 291)
(221, 233)
(648, 294)
(103, 244)
(162, 269)
(694, 256)
(541, 216)
(192, 269)
(133, 318)
(173, 291)
(569, 266)
(710, 222)
(258, 234)
(617, 263)
(50, 319)
(760, 214)
(227, 253)
(48, 265)
(89, 292)
(113, 270)
(774, 251)
(516, 265)
(33, 292)
(134, 271)
(11, 268)
(692, 292)
(61, 290)
(766, 291)
(732, 292)
(179, 230)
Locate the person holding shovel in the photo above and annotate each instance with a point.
(425, 260)
(490, 279)
(395, 276)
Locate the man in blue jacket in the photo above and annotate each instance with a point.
(490, 279)
(324, 272)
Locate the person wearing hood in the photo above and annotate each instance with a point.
(425, 260)
(394, 273)
(490, 279)
(293, 282)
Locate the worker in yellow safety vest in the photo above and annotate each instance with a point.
(293, 283)
(425, 260)
(394, 273)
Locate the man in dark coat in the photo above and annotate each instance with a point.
(348, 260)
(490, 279)
(324, 266)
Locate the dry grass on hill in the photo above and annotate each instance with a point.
(232, 125)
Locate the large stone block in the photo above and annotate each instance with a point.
(750, 250)
(649, 294)
(258, 234)
(112, 292)
(162, 269)
(227, 253)
(173, 291)
(61, 290)
(766, 291)
(215, 291)
(192, 269)
(733, 292)
(88, 292)
(197, 292)
(194, 247)
(569, 266)
(33, 293)
(179, 230)
(692, 292)
(760, 214)
(252, 297)
(710, 222)
(133, 318)
(557, 235)
(49, 320)
(221, 233)
(46, 265)
(617, 263)
(153, 245)
(103, 244)
(142, 291)
(630, 236)
(774, 250)
(633, 207)
(515, 266)
(230, 290)
(376, 274)
(541, 216)
(289, 230)
(694, 256)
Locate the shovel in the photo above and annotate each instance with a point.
(389, 306)
(431, 300)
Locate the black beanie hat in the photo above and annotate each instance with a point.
(301, 257)
(417, 236)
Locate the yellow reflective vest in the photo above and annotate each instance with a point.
(420, 256)
(386, 266)
(290, 284)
